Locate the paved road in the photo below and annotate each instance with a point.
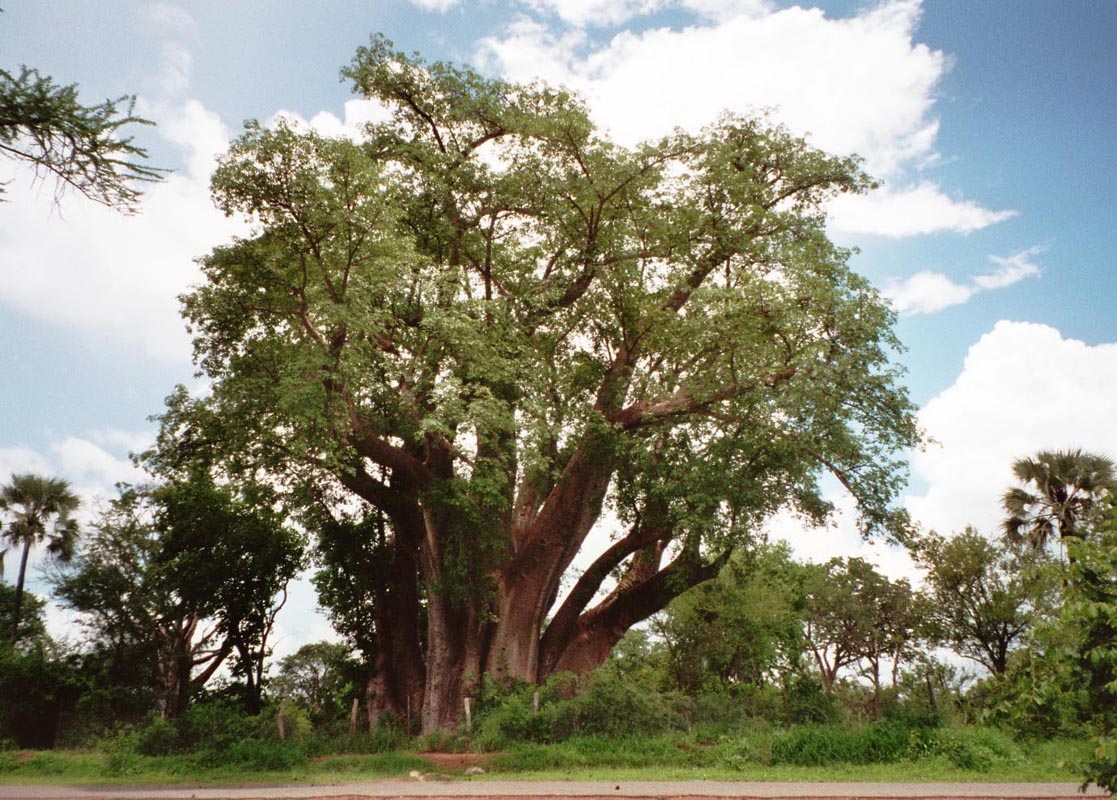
(547, 790)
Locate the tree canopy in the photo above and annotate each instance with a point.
(496, 330)
(984, 596)
(1060, 488)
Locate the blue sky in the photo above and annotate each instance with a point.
(990, 125)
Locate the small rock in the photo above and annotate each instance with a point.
(416, 775)
(474, 771)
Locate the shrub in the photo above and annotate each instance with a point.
(158, 738)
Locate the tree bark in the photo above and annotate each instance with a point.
(17, 601)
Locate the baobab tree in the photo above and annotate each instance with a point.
(482, 332)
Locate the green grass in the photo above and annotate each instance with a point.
(66, 767)
(750, 759)
(745, 758)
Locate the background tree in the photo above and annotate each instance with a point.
(230, 555)
(149, 636)
(36, 510)
(854, 615)
(363, 578)
(320, 677)
(38, 682)
(81, 147)
(984, 596)
(490, 325)
(1060, 490)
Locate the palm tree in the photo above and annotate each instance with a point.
(38, 510)
(1061, 487)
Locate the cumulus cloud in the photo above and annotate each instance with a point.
(928, 292)
(114, 277)
(1023, 388)
(996, 411)
(118, 277)
(854, 85)
(20, 460)
(358, 114)
(859, 85)
(897, 213)
(721, 10)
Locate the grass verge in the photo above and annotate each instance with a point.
(966, 756)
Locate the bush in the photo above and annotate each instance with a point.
(606, 705)
(975, 749)
(158, 738)
(745, 751)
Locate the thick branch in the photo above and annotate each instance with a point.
(563, 623)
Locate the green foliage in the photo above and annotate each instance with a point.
(36, 510)
(229, 554)
(81, 147)
(1091, 611)
(32, 619)
(972, 749)
(1058, 493)
(740, 629)
(855, 616)
(320, 678)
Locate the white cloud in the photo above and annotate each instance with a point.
(1023, 388)
(168, 19)
(89, 465)
(856, 85)
(721, 10)
(126, 441)
(927, 292)
(435, 5)
(916, 211)
(596, 12)
(118, 277)
(21, 460)
(200, 136)
(358, 114)
(1013, 268)
(840, 539)
(177, 30)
